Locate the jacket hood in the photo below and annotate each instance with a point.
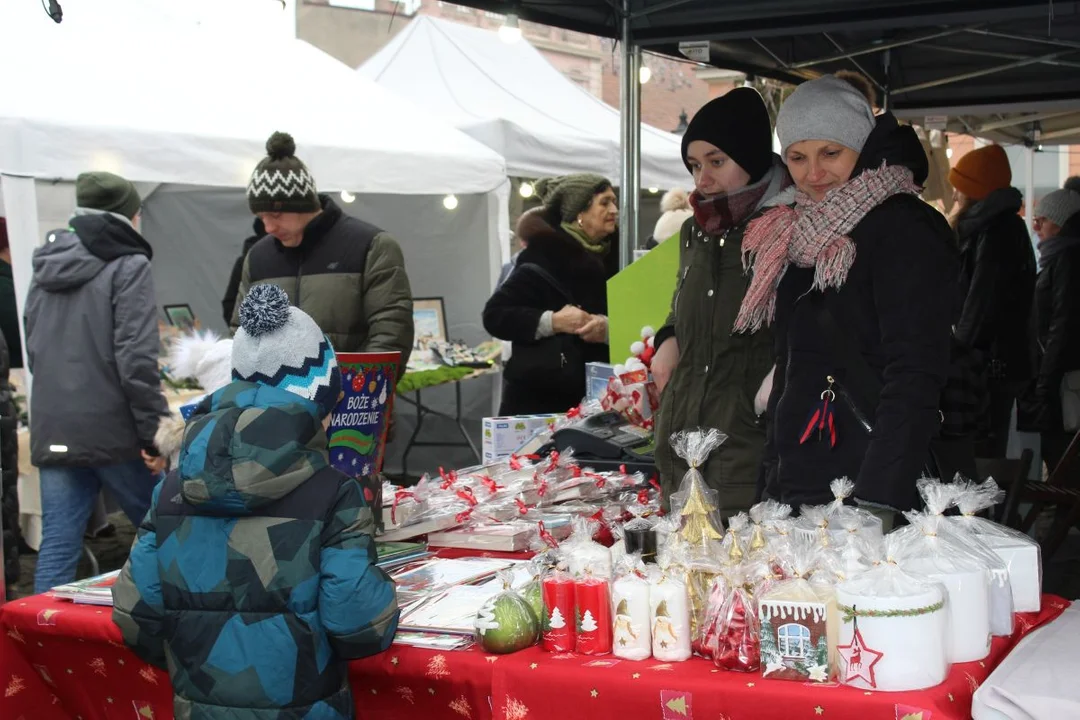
(893, 144)
(247, 445)
(64, 263)
(1004, 201)
(108, 236)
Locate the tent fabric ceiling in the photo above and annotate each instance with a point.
(933, 57)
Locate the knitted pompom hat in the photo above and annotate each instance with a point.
(281, 182)
(281, 346)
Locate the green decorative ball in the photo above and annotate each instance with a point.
(534, 595)
(506, 624)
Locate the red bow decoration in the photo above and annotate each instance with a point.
(400, 495)
(601, 481)
(546, 536)
(541, 491)
(573, 413)
(466, 494)
(462, 516)
(553, 461)
(575, 471)
(515, 460)
(449, 478)
(489, 482)
(521, 506)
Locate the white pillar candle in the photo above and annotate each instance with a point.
(1001, 603)
(1024, 561)
(669, 616)
(591, 556)
(632, 619)
(903, 653)
(968, 607)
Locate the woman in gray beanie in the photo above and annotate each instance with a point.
(1057, 323)
(707, 375)
(857, 279)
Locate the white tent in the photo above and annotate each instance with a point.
(509, 97)
(185, 111)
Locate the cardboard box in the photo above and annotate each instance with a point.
(502, 436)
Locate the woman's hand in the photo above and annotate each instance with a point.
(595, 330)
(664, 362)
(569, 320)
(154, 463)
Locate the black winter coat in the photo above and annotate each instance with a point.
(9, 479)
(898, 304)
(228, 302)
(513, 312)
(997, 280)
(1057, 330)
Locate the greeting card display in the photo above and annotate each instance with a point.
(893, 629)
(357, 434)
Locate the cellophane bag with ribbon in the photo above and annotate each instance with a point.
(630, 597)
(506, 622)
(582, 552)
(735, 641)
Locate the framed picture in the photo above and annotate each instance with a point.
(180, 316)
(429, 322)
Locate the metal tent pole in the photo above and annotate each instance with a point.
(630, 116)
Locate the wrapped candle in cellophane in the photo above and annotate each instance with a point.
(869, 524)
(669, 614)
(632, 636)
(893, 627)
(1021, 555)
(928, 550)
(582, 552)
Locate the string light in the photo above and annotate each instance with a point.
(347, 197)
(526, 190)
(450, 202)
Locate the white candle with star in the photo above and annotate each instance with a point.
(669, 614)
(632, 632)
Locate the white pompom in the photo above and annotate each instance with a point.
(637, 348)
(634, 364)
(647, 332)
(620, 370)
(651, 342)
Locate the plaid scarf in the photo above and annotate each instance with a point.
(722, 212)
(812, 234)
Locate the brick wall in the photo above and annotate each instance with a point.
(673, 89)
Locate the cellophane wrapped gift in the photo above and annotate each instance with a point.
(592, 596)
(734, 640)
(583, 552)
(639, 533)
(938, 497)
(506, 623)
(798, 633)
(869, 524)
(669, 614)
(893, 629)
(782, 543)
(771, 513)
(928, 550)
(695, 503)
(630, 596)
(852, 554)
(543, 562)
(1021, 554)
(404, 504)
(559, 626)
(733, 545)
(813, 525)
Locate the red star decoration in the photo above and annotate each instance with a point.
(859, 659)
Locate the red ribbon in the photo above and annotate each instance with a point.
(575, 471)
(400, 495)
(554, 461)
(449, 478)
(623, 470)
(601, 481)
(655, 484)
(462, 516)
(490, 484)
(542, 490)
(574, 412)
(521, 506)
(546, 536)
(466, 494)
(515, 460)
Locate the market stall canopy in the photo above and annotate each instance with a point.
(1006, 64)
(509, 97)
(111, 88)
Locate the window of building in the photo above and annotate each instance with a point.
(793, 640)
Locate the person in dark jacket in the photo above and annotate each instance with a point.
(708, 376)
(997, 281)
(253, 577)
(570, 238)
(92, 347)
(9, 478)
(1057, 320)
(861, 249)
(9, 311)
(232, 290)
(349, 276)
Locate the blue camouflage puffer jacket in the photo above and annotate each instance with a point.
(253, 576)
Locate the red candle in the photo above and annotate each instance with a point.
(594, 629)
(559, 632)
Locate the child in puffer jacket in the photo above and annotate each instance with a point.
(253, 576)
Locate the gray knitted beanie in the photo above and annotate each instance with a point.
(1059, 206)
(281, 346)
(825, 109)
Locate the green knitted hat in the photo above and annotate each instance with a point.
(570, 195)
(108, 192)
(281, 182)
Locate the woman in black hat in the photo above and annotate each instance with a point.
(708, 376)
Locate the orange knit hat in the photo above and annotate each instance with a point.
(981, 172)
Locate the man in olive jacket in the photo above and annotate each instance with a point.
(349, 276)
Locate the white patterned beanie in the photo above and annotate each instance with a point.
(281, 182)
(281, 346)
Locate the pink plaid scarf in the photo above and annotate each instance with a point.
(812, 234)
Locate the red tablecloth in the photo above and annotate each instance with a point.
(61, 661)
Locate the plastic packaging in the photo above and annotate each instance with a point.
(938, 498)
(927, 550)
(798, 623)
(632, 639)
(735, 644)
(559, 626)
(506, 623)
(582, 552)
(732, 550)
(1021, 555)
(893, 627)
(813, 525)
(870, 526)
(592, 597)
(694, 501)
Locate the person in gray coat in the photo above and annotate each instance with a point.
(92, 346)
